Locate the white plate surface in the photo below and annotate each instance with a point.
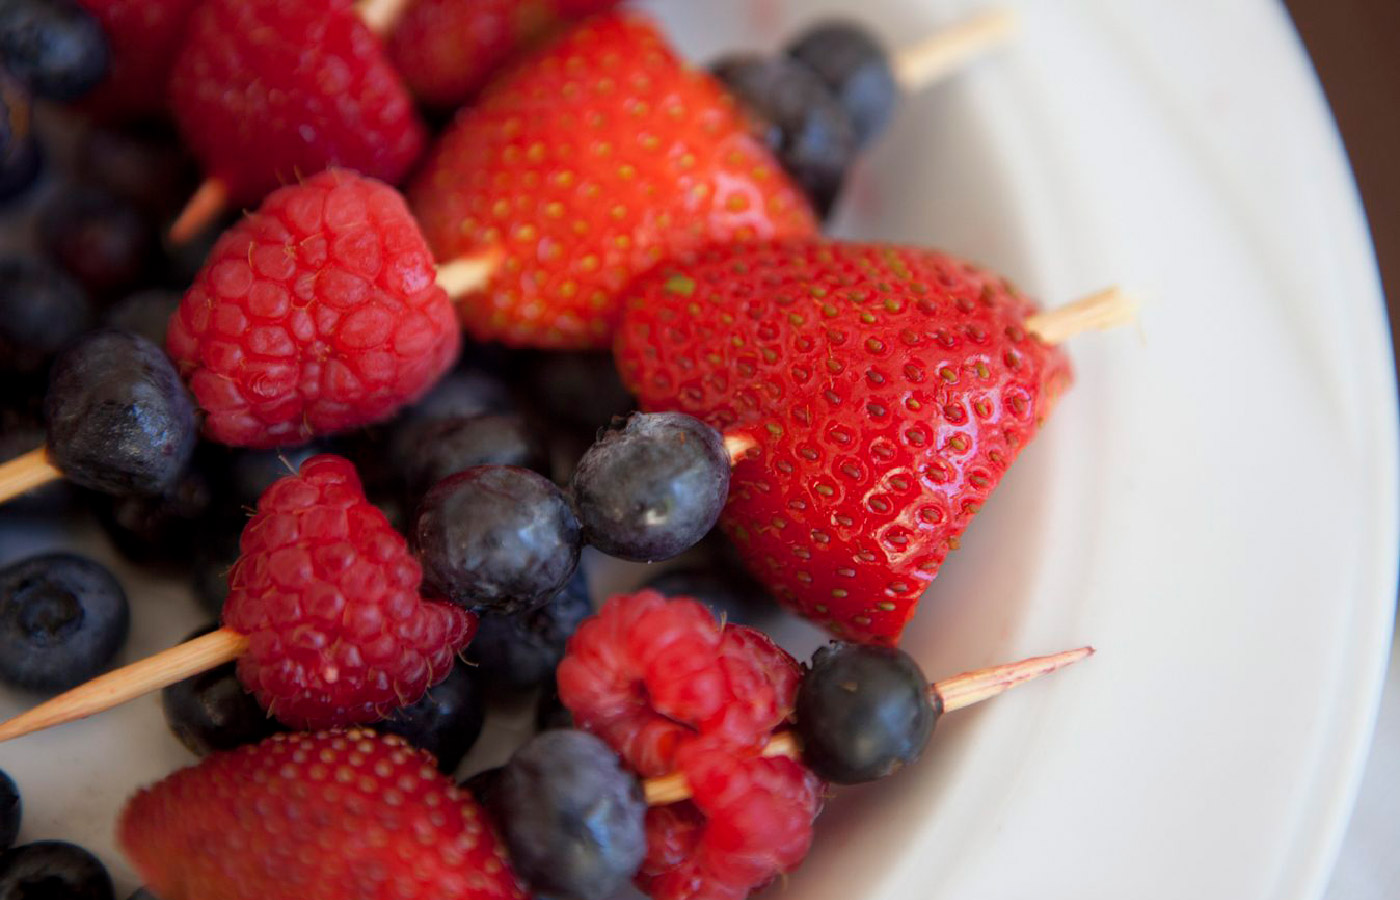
(1213, 506)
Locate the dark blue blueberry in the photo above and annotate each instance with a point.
(522, 651)
(855, 67)
(464, 394)
(652, 488)
(803, 123)
(119, 420)
(142, 893)
(214, 557)
(211, 711)
(425, 451)
(863, 712)
(577, 388)
(146, 313)
(145, 165)
(11, 811)
(728, 591)
(62, 620)
(572, 817)
(447, 720)
(41, 311)
(550, 711)
(98, 238)
(55, 47)
(53, 870)
(161, 529)
(21, 159)
(482, 787)
(496, 538)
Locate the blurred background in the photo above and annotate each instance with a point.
(1352, 43)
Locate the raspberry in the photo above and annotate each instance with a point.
(327, 593)
(670, 689)
(144, 37)
(317, 313)
(266, 90)
(324, 816)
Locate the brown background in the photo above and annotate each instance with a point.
(1355, 46)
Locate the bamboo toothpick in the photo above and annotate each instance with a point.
(26, 472)
(129, 682)
(1096, 312)
(380, 16)
(950, 49)
(950, 694)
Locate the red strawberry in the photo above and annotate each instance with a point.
(144, 37)
(670, 689)
(266, 91)
(327, 816)
(446, 50)
(328, 595)
(315, 314)
(593, 161)
(888, 390)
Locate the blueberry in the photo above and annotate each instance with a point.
(214, 557)
(550, 711)
(572, 817)
(98, 238)
(41, 311)
(211, 711)
(20, 157)
(728, 591)
(161, 529)
(146, 166)
(803, 122)
(463, 395)
(146, 313)
(499, 538)
(62, 620)
(55, 47)
(11, 811)
(142, 893)
(578, 388)
(863, 712)
(522, 651)
(652, 488)
(425, 452)
(119, 420)
(53, 870)
(856, 68)
(446, 721)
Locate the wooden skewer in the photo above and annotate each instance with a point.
(129, 682)
(950, 694)
(204, 206)
(950, 49)
(1096, 312)
(26, 472)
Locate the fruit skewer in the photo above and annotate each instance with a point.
(915, 68)
(947, 695)
(1100, 310)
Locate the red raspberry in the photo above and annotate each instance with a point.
(266, 91)
(448, 49)
(327, 593)
(144, 37)
(316, 314)
(325, 816)
(670, 689)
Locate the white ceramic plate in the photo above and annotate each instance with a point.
(1213, 506)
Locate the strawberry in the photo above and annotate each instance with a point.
(325, 816)
(599, 157)
(446, 50)
(887, 390)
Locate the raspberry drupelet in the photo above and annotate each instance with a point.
(316, 314)
(327, 594)
(671, 690)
